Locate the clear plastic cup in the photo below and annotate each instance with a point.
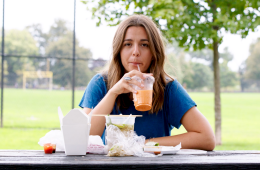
(124, 123)
(48, 148)
(144, 97)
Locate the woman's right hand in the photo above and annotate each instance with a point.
(123, 85)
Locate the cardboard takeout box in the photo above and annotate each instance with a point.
(75, 127)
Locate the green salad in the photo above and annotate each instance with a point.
(122, 127)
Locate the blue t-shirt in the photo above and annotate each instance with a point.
(176, 103)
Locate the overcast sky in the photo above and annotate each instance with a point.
(20, 13)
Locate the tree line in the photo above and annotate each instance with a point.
(195, 72)
(22, 45)
(194, 69)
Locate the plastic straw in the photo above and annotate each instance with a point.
(138, 67)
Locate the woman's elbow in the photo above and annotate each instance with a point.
(210, 143)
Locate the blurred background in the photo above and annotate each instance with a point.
(38, 72)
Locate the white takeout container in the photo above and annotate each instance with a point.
(75, 127)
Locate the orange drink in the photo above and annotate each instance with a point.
(143, 100)
(144, 97)
(48, 148)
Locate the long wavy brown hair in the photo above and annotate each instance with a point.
(116, 69)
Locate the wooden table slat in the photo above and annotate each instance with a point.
(24, 159)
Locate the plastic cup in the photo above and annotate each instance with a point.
(144, 97)
(53, 147)
(48, 148)
(124, 123)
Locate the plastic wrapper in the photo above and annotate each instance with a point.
(54, 137)
(95, 145)
(124, 143)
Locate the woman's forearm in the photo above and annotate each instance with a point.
(199, 133)
(104, 107)
(189, 140)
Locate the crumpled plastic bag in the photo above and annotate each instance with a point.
(54, 137)
(125, 144)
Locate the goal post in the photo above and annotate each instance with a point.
(37, 74)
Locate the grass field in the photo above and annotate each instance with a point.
(30, 114)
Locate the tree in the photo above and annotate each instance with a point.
(176, 63)
(56, 31)
(57, 42)
(200, 77)
(18, 42)
(252, 70)
(192, 75)
(197, 75)
(194, 24)
(241, 71)
(227, 77)
(62, 69)
(174, 66)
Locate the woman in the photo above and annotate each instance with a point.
(137, 42)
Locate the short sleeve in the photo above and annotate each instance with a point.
(179, 102)
(94, 92)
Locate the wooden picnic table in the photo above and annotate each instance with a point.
(32, 159)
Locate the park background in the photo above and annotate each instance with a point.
(45, 28)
